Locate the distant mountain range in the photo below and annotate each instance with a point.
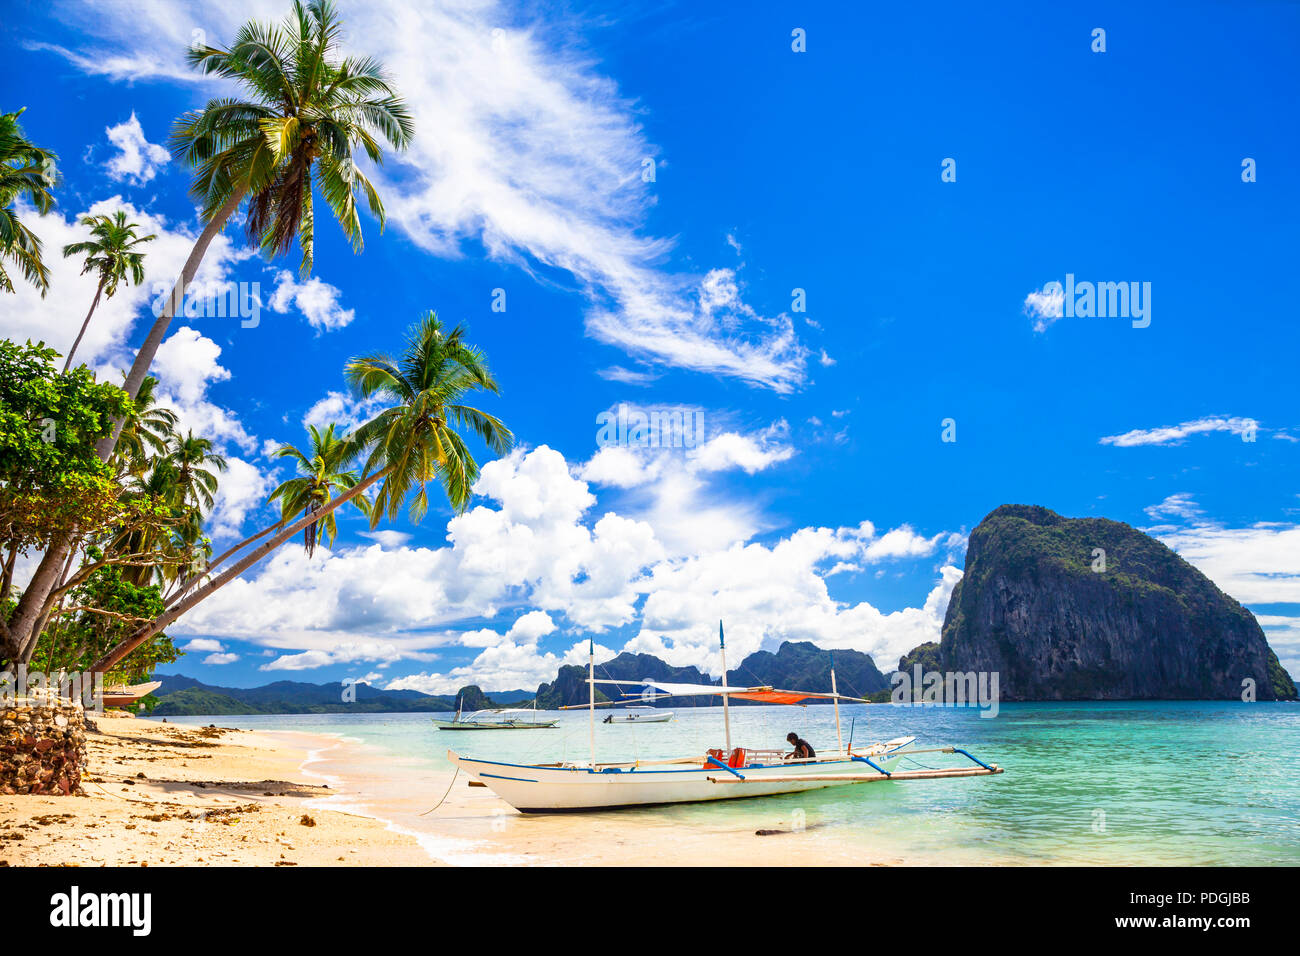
(798, 666)
(185, 696)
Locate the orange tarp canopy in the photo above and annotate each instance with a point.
(775, 696)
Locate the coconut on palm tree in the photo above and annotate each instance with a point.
(414, 441)
(112, 254)
(26, 171)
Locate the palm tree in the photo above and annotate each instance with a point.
(111, 252)
(411, 443)
(320, 473)
(25, 170)
(148, 429)
(195, 484)
(414, 441)
(306, 114)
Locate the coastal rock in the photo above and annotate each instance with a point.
(1092, 609)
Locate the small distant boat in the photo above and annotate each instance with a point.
(120, 696)
(640, 715)
(497, 720)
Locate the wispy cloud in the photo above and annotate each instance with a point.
(1176, 434)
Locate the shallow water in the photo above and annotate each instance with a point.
(1107, 783)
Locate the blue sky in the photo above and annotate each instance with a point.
(774, 171)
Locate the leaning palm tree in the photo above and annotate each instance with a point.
(25, 171)
(305, 114)
(322, 471)
(411, 443)
(112, 254)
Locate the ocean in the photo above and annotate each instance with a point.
(1132, 783)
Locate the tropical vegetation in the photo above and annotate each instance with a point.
(99, 487)
(102, 489)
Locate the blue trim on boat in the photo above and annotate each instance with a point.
(718, 763)
(639, 770)
(497, 776)
(958, 750)
(870, 763)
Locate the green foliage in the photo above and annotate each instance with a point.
(100, 614)
(26, 171)
(51, 480)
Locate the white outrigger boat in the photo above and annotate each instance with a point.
(717, 775)
(640, 715)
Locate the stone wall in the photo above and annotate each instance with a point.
(42, 746)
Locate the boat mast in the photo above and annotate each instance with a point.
(839, 739)
(591, 696)
(726, 707)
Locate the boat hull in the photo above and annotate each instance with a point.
(534, 789)
(452, 726)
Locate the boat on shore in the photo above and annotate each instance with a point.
(723, 774)
(123, 696)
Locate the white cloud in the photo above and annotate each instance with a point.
(539, 547)
(1045, 305)
(137, 160)
(616, 373)
(219, 659)
(203, 645)
(1181, 505)
(1176, 434)
(825, 359)
(342, 409)
(241, 492)
(1255, 565)
(317, 300)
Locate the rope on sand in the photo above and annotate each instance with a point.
(445, 795)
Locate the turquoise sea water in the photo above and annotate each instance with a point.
(1105, 783)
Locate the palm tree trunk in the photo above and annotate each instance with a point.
(116, 654)
(143, 359)
(187, 583)
(85, 325)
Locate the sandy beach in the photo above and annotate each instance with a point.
(159, 794)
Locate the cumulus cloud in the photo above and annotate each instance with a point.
(317, 300)
(137, 160)
(1045, 305)
(539, 552)
(219, 659)
(1176, 434)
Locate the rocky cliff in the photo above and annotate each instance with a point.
(1091, 609)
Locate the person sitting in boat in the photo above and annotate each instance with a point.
(802, 749)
